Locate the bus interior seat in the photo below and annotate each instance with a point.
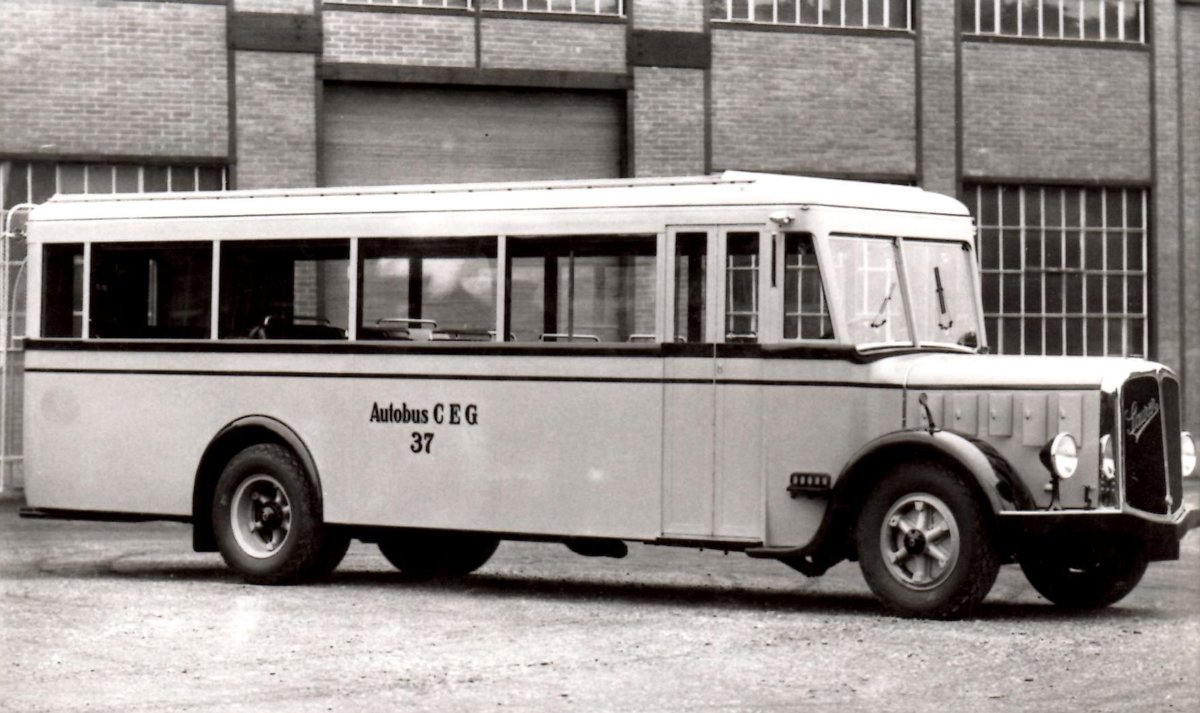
(281, 327)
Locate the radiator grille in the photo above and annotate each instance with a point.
(1150, 435)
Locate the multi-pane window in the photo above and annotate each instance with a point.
(805, 311)
(36, 181)
(1101, 20)
(1064, 268)
(741, 288)
(575, 7)
(879, 14)
(615, 8)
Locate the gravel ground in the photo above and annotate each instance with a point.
(108, 617)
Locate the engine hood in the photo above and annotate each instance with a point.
(994, 372)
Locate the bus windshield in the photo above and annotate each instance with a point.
(943, 299)
(876, 305)
(868, 293)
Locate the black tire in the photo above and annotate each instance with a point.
(947, 569)
(427, 554)
(266, 516)
(1076, 578)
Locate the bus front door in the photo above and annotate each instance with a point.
(712, 450)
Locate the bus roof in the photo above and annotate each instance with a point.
(732, 188)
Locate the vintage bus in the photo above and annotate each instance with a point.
(788, 367)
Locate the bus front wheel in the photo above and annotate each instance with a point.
(425, 554)
(924, 544)
(267, 522)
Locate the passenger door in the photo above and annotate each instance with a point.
(712, 450)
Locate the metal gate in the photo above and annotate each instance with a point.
(12, 358)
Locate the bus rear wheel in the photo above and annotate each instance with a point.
(266, 518)
(924, 544)
(1082, 579)
(427, 554)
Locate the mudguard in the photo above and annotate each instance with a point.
(980, 465)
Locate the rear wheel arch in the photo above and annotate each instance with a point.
(227, 443)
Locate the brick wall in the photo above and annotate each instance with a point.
(276, 119)
(939, 112)
(400, 38)
(1189, 61)
(546, 45)
(112, 78)
(1167, 249)
(809, 102)
(668, 121)
(1055, 112)
(674, 15)
(284, 6)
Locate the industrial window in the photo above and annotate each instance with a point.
(615, 8)
(878, 14)
(1064, 268)
(35, 181)
(445, 4)
(1099, 20)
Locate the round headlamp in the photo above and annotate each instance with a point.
(1108, 463)
(1064, 455)
(1188, 447)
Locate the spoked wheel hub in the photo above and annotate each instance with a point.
(920, 541)
(261, 515)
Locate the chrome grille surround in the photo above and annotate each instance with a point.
(1146, 424)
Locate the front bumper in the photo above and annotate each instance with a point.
(1158, 539)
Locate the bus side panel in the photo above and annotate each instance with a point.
(814, 429)
(574, 448)
(125, 443)
(573, 458)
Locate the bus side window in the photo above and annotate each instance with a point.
(151, 292)
(582, 289)
(691, 252)
(805, 309)
(285, 289)
(62, 290)
(741, 287)
(423, 290)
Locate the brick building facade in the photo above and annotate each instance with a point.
(1071, 128)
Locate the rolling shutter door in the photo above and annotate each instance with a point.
(374, 135)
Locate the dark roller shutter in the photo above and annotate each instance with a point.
(376, 135)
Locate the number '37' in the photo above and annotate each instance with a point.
(421, 443)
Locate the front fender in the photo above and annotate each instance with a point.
(989, 471)
(984, 469)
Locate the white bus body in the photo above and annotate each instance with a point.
(731, 411)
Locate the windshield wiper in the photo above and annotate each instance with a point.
(881, 316)
(943, 313)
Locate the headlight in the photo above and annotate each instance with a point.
(1108, 464)
(1188, 446)
(1063, 455)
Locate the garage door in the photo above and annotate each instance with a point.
(385, 135)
